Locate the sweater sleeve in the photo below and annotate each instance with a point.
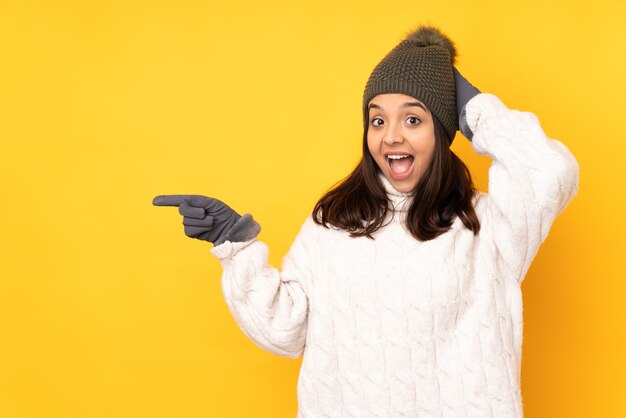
(532, 179)
(269, 306)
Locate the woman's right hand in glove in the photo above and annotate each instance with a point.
(210, 219)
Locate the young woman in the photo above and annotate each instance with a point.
(402, 288)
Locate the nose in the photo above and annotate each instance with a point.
(393, 135)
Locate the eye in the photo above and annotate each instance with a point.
(414, 118)
(374, 121)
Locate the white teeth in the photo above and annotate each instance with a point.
(397, 157)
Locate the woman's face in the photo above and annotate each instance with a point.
(401, 138)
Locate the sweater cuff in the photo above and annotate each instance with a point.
(481, 106)
(228, 249)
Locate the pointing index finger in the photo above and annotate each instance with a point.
(170, 200)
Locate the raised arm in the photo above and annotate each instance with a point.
(532, 177)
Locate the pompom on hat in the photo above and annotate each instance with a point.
(419, 66)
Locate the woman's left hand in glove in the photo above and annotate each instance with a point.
(465, 91)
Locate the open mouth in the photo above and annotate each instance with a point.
(400, 165)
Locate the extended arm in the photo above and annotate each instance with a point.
(269, 305)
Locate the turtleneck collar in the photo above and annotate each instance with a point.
(400, 200)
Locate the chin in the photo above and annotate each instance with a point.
(403, 186)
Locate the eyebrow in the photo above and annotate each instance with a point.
(407, 104)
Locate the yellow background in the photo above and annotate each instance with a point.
(108, 310)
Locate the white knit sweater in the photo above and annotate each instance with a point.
(394, 327)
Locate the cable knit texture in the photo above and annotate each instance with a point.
(395, 327)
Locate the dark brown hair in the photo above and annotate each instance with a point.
(359, 203)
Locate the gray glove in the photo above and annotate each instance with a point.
(464, 92)
(209, 219)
